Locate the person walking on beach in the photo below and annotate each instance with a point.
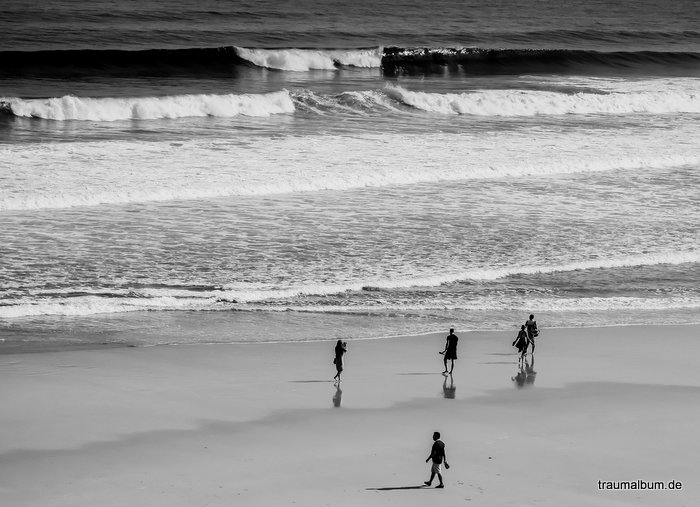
(437, 454)
(340, 348)
(532, 331)
(450, 351)
(521, 342)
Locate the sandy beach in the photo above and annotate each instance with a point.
(263, 424)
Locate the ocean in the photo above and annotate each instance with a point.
(227, 172)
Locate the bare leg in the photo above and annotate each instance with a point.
(452, 365)
(444, 360)
(432, 476)
(441, 485)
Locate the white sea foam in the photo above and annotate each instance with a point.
(536, 102)
(259, 295)
(149, 108)
(302, 60)
(352, 102)
(94, 305)
(63, 175)
(537, 305)
(91, 305)
(252, 292)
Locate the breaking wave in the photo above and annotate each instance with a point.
(487, 61)
(149, 108)
(301, 60)
(393, 60)
(600, 97)
(538, 102)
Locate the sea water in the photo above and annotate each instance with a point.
(218, 171)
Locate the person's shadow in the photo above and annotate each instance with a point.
(449, 391)
(398, 488)
(338, 396)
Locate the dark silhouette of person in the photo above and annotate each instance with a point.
(532, 331)
(521, 342)
(340, 348)
(437, 454)
(449, 391)
(450, 352)
(338, 396)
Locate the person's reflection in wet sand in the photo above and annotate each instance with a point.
(530, 372)
(449, 391)
(520, 377)
(526, 372)
(338, 396)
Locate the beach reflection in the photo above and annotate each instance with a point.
(526, 372)
(448, 391)
(338, 396)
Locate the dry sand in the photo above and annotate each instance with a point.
(258, 425)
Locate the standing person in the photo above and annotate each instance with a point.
(437, 454)
(340, 348)
(450, 351)
(521, 342)
(532, 331)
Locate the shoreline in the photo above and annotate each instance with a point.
(38, 347)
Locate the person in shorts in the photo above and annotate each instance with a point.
(450, 352)
(437, 454)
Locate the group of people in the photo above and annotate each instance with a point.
(524, 340)
(526, 336)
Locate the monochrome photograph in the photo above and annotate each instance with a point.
(324, 253)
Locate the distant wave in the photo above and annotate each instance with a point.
(199, 61)
(393, 61)
(645, 97)
(311, 59)
(145, 108)
(262, 297)
(484, 61)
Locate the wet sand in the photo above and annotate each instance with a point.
(263, 424)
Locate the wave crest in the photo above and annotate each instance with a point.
(537, 102)
(301, 60)
(393, 60)
(150, 108)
